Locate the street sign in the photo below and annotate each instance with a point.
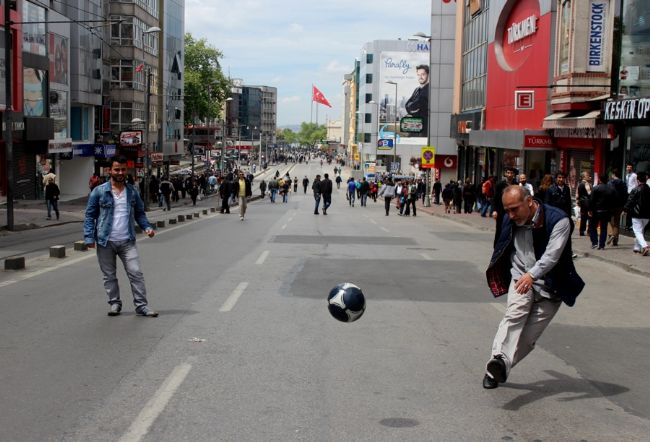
(384, 144)
(428, 159)
(524, 100)
(411, 124)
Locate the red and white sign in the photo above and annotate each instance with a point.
(156, 157)
(524, 100)
(446, 161)
(539, 141)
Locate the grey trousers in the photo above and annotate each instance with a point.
(243, 205)
(526, 318)
(128, 253)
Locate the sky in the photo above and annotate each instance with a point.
(292, 44)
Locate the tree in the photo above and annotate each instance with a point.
(311, 133)
(206, 87)
(286, 135)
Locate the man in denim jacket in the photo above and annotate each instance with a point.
(112, 209)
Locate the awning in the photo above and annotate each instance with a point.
(564, 120)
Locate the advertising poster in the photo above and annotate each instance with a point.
(404, 93)
(58, 59)
(34, 87)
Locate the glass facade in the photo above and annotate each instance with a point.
(173, 74)
(634, 72)
(474, 58)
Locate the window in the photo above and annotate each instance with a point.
(34, 33)
(131, 32)
(368, 58)
(474, 58)
(123, 112)
(368, 78)
(368, 98)
(368, 118)
(366, 138)
(80, 118)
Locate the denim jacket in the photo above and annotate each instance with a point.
(99, 214)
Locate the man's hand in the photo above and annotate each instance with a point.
(150, 232)
(494, 214)
(91, 245)
(524, 284)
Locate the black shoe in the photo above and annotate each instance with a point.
(489, 383)
(496, 367)
(316, 212)
(115, 310)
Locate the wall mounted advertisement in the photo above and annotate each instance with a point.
(407, 94)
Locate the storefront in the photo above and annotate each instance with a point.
(632, 119)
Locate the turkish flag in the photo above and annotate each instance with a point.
(139, 67)
(318, 97)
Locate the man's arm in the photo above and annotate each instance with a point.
(90, 218)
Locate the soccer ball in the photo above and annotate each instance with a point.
(346, 302)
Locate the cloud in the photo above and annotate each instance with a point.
(291, 99)
(296, 28)
(336, 67)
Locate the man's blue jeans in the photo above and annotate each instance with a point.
(128, 253)
(317, 199)
(273, 192)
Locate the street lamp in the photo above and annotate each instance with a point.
(147, 100)
(395, 122)
(223, 135)
(427, 197)
(377, 136)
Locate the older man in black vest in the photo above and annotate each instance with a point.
(531, 263)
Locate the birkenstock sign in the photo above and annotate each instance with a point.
(634, 110)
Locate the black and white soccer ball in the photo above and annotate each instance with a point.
(346, 302)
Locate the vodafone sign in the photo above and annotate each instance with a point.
(518, 26)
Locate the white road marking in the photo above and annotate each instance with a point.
(426, 256)
(70, 261)
(284, 227)
(384, 229)
(234, 297)
(262, 257)
(156, 405)
(373, 221)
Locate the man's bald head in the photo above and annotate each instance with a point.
(519, 193)
(519, 204)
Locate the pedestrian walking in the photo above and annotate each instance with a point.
(317, 193)
(559, 194)
(620, 192)
(497, 201)
(305, 184)
(295, 184)
(94, 181)
(273, 188)
(632, 183)
(326, 192)
(387, 191)
(225, 190)
(469, 196)
(111, 213)
(339, 180)
(448, 196)
(437, 190)
(193, 191)
(262, 188)
(166, 189)
(532, 264)
(364, 190)
(352, 190)
(601, 203)
(637, 209)
(242, 188)
(487, 194)
(52, 193)
(583, 195)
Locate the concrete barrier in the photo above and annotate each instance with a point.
(213, 209)
(197, 214)
(188, 216)
(160, 223)
(205, 211)
(172, 221)
(181, 218)
(16, 263)
(80, 246)
(57, 252)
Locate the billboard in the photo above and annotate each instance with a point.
(404, 93)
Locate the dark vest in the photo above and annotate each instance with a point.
(562, 280)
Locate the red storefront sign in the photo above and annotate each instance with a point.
(539, 141)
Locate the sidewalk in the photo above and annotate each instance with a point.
(31, 214)
(621, 255)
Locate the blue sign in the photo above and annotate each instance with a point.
(597, 18)
(385, 143)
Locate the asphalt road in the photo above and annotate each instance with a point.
(245, 349)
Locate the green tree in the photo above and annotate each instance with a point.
(206, 87)
(311, 134)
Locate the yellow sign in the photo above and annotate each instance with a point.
(428, 157)
(356, 156)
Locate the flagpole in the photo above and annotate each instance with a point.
(316, 114)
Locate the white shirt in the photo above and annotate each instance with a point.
(631, 181)
(120, 229)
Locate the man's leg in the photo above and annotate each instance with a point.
(638, 226)
(540, 316)
(107, 265)
(242, 207)
(316, 204)
(128, 253)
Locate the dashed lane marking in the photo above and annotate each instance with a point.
(284, 227)
(384, 229)
(233, 298)
(426, 256)
(156, 405)
(262, 257)
(373, 221)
